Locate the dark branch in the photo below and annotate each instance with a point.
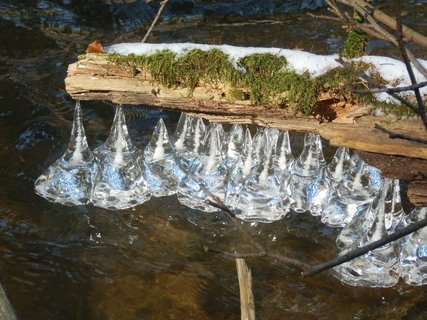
(361, 251)
(393, 90)
(394, 135)
(220, 205)
(403, 51)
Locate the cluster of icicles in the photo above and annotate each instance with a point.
(258, 177)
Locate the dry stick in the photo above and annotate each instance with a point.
(320, 16)
(394, 135)
(361, 251)
(247, 305)
(6, 309)
(162, 6)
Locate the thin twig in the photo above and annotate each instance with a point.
(323, 17)
(403, 51)
(159, 12)
(394, 135)
(393, 90)
(361, 251)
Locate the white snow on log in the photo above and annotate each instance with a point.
(299, 61)
(392, 70)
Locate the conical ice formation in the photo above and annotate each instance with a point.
(262, 197)
(413, 251)
(189, 137)
(234, 144)
(379, 267)
(69, 179)
(239, 172)
(207, 175)
(304, 169)
(357, 190)
(326, 182)
(365, 215)
(283, 158)
(120, 182)
(161, 170)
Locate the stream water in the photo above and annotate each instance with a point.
(59, 262)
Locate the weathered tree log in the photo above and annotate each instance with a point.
(94, 78)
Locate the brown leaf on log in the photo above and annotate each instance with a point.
(95, 47)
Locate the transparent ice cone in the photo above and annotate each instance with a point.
(355, 192)
(120, 182)
(321, 187)
(413, 251)
(234, 144)
(207, 175)
(366, 214)
(283, 158)
(69, 179)
(379, 267)
(239, 172)
(189, 136)
(161, 170)
(304, 169)
(262, 197)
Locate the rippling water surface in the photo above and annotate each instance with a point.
(61, 262)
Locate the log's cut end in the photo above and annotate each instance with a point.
(93, 77)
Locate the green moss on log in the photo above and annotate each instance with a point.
(260, 78)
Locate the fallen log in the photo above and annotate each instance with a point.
(94, 77)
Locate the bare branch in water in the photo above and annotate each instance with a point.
(363, 250)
